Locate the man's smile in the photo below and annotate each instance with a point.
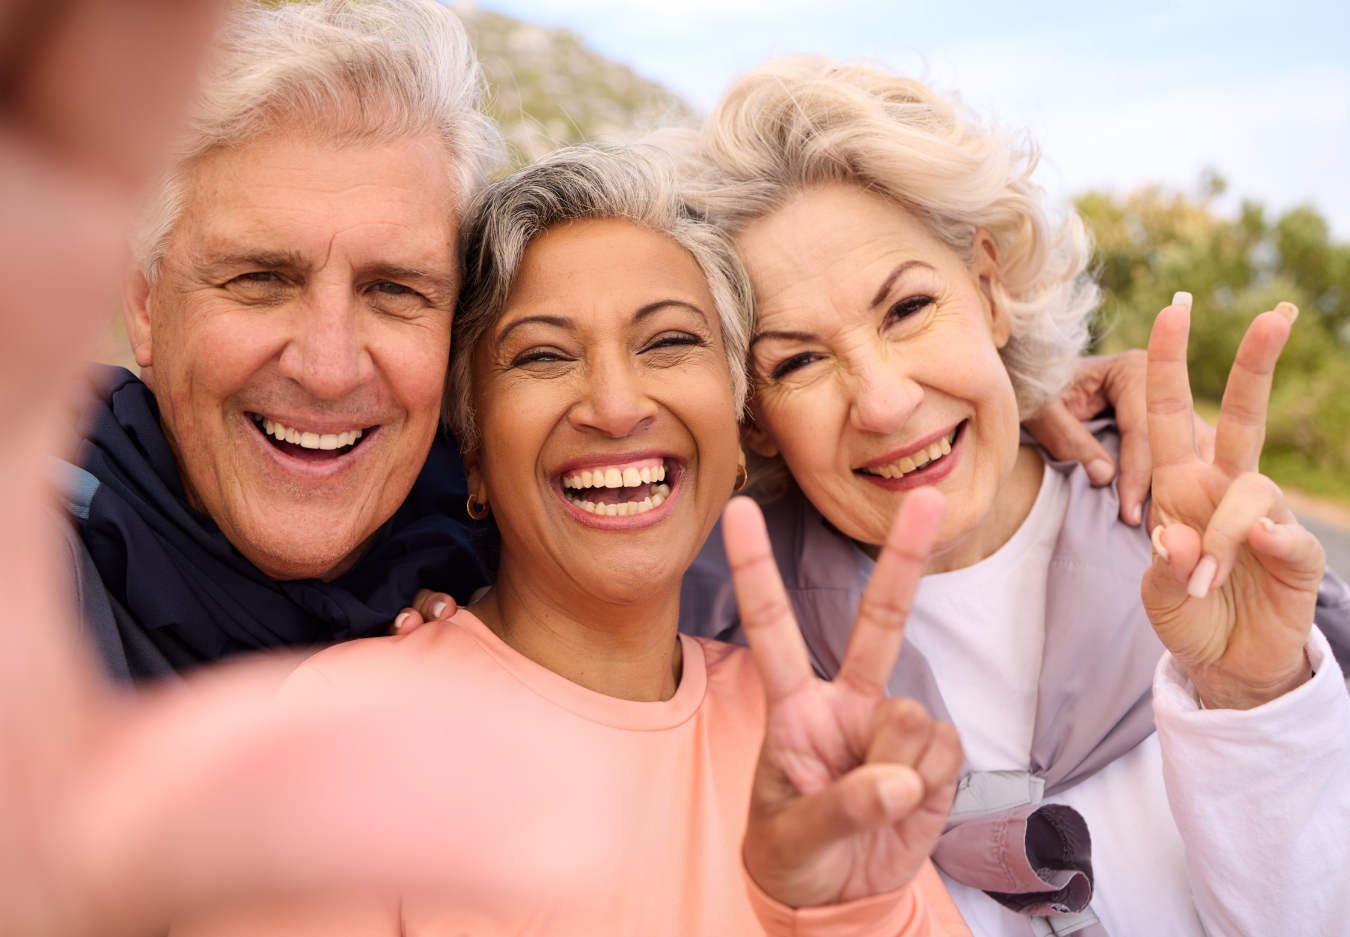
(309, 445)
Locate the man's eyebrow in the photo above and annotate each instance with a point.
(664, 304)
(561, 322)
(257, 258)
(896, 274)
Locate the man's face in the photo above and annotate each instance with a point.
(304, 298)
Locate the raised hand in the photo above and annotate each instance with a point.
(1234, 580)
(852, 789)
(1117, 382)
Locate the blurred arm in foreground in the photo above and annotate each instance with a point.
(114, 813)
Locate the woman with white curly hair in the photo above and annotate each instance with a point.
(913, 303)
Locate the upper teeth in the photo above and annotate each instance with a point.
(650, 472)
(310, 440)
(616, 476)
(916, 460)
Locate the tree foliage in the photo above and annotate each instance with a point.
(1155, 241)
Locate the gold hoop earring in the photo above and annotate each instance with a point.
(742, 476)
(477, 511)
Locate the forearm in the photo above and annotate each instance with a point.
(1262, 800)
(332, 915)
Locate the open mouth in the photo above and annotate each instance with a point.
(925, 458)
(309, 446)
(622, 489)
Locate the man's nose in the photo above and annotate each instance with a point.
(327, 353)
(615, 402)
(884, 395)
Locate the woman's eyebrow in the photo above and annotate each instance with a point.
(664, 303)
(785, 335)
(561, 322)
(896, 274)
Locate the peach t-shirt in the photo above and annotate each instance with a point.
(682, 770)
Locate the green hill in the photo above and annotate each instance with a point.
(549, 89)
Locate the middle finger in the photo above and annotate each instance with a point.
(1242, 419)
(880, 629)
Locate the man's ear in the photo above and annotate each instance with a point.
(136, 312)
(760, 442)
(988, 274)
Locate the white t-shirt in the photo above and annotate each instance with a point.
(982, 630)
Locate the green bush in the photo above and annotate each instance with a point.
(1154, 241)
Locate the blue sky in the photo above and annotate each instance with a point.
(1118, 94)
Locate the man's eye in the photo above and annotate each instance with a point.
(259, 276)
(792, 364)
(393, 289)
(908, 306)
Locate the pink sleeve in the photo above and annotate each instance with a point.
(920, 909)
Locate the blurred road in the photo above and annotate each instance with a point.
(1334, 538)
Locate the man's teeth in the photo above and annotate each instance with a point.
(310, 440)
(915, 461)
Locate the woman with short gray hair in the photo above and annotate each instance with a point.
(914, 302)
(599, 351)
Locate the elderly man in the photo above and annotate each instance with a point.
(276, 477)
(266, 482)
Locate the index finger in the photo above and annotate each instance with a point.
(1168, 386)
(880, 629)
(775, 640)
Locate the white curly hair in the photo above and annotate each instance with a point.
(803, 121)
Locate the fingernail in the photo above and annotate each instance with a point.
(1182, 298)
(1101, 471)
(438, 610)
(1158, 547)
(1136, 513)
(398, 622)
(1202, 578)
(900, 792)
(1267, 523)
(1289, 311)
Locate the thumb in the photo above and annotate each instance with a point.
(1068, 440)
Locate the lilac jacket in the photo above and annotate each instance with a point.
(1095, 694)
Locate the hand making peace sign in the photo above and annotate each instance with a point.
(852, 789)
(1234, 580)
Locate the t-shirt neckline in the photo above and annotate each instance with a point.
(588, 704)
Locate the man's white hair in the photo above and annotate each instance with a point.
(349, 70)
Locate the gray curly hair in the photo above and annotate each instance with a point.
(635, 183)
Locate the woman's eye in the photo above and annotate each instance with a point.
(392, 289)
(539, 356)
(908, 306)
(792, 364)
(674, 340)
